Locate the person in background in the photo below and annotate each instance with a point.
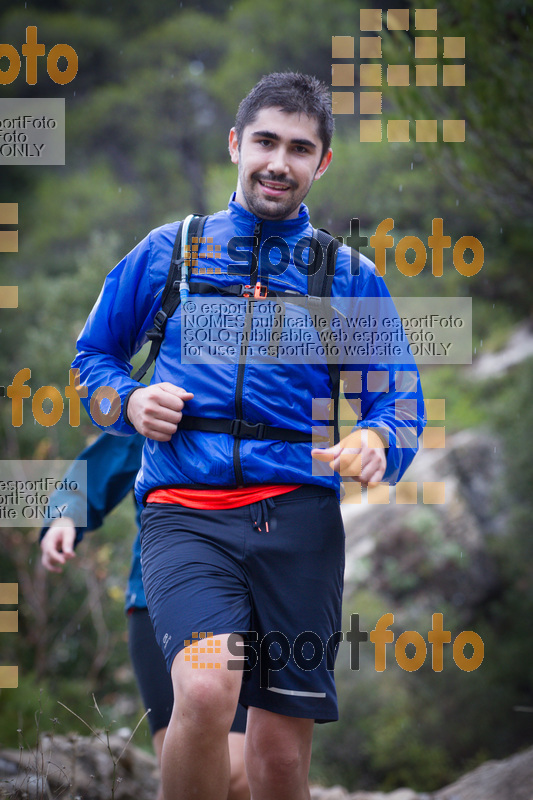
(112, 464)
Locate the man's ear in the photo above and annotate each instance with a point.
(324, 164)
(233, 146)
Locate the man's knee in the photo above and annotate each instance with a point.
(278, 746)
(208, 695)
(283, 763)
(209, 698)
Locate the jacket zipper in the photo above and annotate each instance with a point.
(246, 334)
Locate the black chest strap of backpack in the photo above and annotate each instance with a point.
(170, 298)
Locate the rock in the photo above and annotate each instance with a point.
(509, 779)
(81, 766)
(398, 794)
(82, 769)
(517, 349)
(334, 793)
(25, 787)
(421, 554)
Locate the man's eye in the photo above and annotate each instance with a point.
(265, 142)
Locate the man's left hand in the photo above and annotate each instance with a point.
(360, 455)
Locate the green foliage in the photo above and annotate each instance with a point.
(493, 168)
(32, 708)
(387, 734)
(513, 416)
(465, 406)
(22, 709)
(72, 632)
(496, 161)
(423, 729)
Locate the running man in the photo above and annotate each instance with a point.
(242, 536)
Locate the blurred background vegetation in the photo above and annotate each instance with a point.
(147, 119)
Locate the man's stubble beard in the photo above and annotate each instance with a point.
(264, 209)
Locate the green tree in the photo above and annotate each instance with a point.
(496, 160)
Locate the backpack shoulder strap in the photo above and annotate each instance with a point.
(170, 297)
(325, 247)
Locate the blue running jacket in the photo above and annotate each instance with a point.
(234, 378)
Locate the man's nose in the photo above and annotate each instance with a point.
(278, 162)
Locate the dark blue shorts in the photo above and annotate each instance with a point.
(216, 572)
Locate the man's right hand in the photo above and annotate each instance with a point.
(155, 411)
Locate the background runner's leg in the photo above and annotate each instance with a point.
(238, 785)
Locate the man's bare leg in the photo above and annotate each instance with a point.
(278, 755)
(238, 785)
(195, 759)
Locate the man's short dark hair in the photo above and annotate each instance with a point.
(294, 93)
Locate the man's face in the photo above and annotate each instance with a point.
(279, 157)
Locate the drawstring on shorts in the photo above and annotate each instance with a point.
(260, 511)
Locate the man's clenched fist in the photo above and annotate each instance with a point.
(360, 455)
(155, 411)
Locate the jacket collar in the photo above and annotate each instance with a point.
(245, 221)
